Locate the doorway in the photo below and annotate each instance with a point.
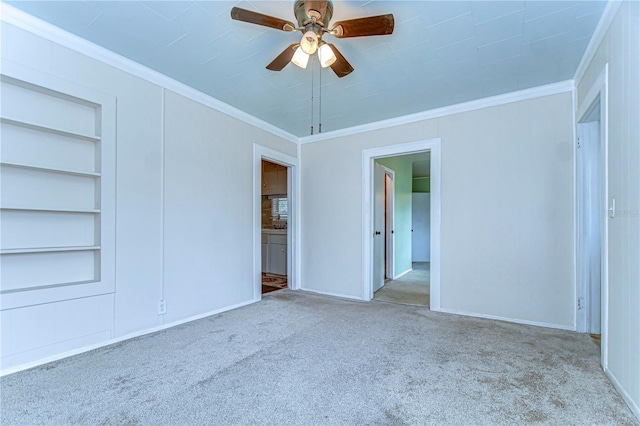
(276, 253)
(592, 213)
(401, 272)
(589, 208)
(274, 221)
(373, 241)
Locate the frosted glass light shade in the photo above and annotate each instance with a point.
(300, 58)
(326, 55)
(309, 43)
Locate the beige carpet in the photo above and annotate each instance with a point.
(301, 359)
(410, 289)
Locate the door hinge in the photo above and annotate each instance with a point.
(580, 303)
(579, 145)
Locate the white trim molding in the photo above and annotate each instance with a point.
(623, 393)
(402, 274)
(608, 15)
(29, 23)
(330, 294)
(368, 157)
(507, 319)
(521, 95)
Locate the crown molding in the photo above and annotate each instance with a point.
(608, 15)
(521, 95)
(52, 33)
(36, 26)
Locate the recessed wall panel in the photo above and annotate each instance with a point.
(35, 229)
(32, 104)
(33, 270)
(47, 190)
(45, 149)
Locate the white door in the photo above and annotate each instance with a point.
(389, 206)
(378, 227)
(421, 226)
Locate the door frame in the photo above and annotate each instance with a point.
(293, 222)
(599, 92)
(368, 157)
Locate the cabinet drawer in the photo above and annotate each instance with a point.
(277, 239)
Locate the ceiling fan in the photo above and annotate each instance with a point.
(313, 18)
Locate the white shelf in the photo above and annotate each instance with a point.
(48, 169)
(41, 209)
(48, 249)
(33, 126)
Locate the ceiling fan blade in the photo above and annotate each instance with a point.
(259, 19)
(341, 67)
(283, 59)
(360, 27)
(319, 6)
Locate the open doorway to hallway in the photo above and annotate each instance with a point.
(370, 236)
(402, 229)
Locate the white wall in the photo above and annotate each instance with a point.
(170, 228)
(506, 250)
(620, 48)
(208, 207)
(421, 224)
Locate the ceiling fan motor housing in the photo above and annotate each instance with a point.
(306, 21)
(313, 18)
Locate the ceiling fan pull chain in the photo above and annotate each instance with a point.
(320, 103)
(312, 100)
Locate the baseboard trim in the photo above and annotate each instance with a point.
(328, 293)
(402, 274)
(633, 406)
(507, 319)
(88, 348)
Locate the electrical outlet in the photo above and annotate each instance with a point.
(162, 307)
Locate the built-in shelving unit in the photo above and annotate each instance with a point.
(50, 168)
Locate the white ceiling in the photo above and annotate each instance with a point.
(441, 53)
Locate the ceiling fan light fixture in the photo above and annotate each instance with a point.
(326, 56)
(309, 43)
(300, 58)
